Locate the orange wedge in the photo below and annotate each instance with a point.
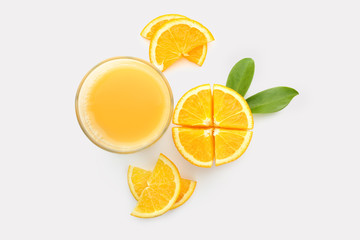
(195, 107)
(212, 125)
(162, 191)
(230, 144)
(177, 38)
(186, 190)
(137, 180)
(197, 55)
(195, 144)
(231, 109)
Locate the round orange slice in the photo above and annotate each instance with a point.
(214, 125)
(230, 144)
(195, 107)
(177, 38)
(137, 180)
(195, 144)
(231, 109)
(162, 191)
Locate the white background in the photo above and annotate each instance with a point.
(299, 179)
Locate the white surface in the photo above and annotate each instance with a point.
(299, 179)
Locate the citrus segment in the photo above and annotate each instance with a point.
(230, 144)
(175, 38)
(137, 180)
(195, 107)
(231, 109)
(162, 191)
(195, 144)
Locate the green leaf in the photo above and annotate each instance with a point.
(241, 75)
(271, 100)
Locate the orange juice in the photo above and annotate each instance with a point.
(124, 104)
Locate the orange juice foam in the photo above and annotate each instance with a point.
(124, 104)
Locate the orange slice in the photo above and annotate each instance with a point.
(162, 191)
(150, 29)
(231, 109)
(195, 107)
(213, 125)
(177, 38)
(186, 190)
(197, 55)
(137, 180)
(230, 144)
(195, 144)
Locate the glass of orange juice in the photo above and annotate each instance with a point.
(124, 104)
